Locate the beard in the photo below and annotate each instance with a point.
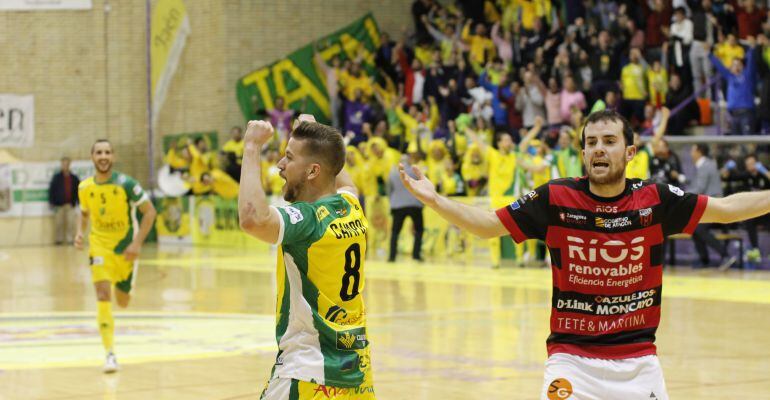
(291, 191)
(615, 174)
(100, 168)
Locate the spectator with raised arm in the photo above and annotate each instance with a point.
(741, 80)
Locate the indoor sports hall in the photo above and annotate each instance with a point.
(128, 165)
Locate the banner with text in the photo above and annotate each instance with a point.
(17, 120)
(24, 186)
(170, 28)
(297, 78)
(32, 5)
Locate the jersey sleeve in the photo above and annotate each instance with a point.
(298, 223)
(136, 195)
(527, 217)
(682, 210)
(82, 189)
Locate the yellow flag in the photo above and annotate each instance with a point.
(169, 29)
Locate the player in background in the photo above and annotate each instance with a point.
(109, 200)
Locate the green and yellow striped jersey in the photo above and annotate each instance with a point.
(320, 321)
(111, 206)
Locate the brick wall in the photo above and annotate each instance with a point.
(87, 69)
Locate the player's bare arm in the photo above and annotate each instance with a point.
(737, 207)
(148, 218)
(345, 182)
(482, 223)
(82, 227)
(257, 218)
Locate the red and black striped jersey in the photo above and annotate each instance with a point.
(606, 258)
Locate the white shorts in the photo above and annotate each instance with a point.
(569, 377)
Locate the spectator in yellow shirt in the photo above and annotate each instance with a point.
(436, 155)
(355, 79)
(475, 171)
(178, 158)
(482, 48)
(632, 78)
(657, 79)
(233, 150)
(728, 50)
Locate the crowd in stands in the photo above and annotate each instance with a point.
(488, 97)
(492, 94)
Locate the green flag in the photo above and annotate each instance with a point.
(297, 79)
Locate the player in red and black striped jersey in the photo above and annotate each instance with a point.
(605, 236)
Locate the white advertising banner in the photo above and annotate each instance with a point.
(17, 120)
(31, 5)
(24, 186)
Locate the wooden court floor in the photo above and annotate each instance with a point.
(200, 326)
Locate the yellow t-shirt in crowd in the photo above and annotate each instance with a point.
(727, 53)
(502, 172)
(632, 77)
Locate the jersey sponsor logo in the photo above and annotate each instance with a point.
(330, 392)
(613, 305)
(354, 339)
(613, 272)
(571, 304)
(321, 213)
(98, 260)
(342, 212)
(111, 226)
(526, 198)
(606, 209)
(675, 190)
(645, 216)
(604, 309)
(295, 215)
(559, 389)
(340, 316)
(611, 251)
(612, 223)
(347, 340)
(575, 219)
(364, 362)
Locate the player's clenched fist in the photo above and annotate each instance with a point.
(258, 132)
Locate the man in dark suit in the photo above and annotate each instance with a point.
(707, 181)
(63, 196)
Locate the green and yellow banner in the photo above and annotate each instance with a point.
(299, 81)
(169, 29)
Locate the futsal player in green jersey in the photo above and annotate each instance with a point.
(323, 351)
(108, 200)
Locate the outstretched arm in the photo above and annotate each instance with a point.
(482, 223)
(665, 113)
(257, 218)
(534, 131)
(736, 207)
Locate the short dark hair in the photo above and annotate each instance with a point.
(608, 115)
(703, 148)
(93, 146)
(324, 142)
